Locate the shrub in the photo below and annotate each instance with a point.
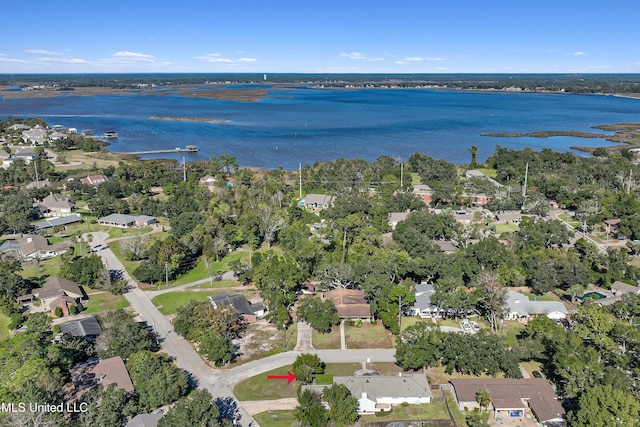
(58, 312)
(73, 310)
(56, 329)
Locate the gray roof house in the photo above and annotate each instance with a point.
(33, 246)
(85, 327)
(617, 290)
(520, 307)
(423, 306)
(145, 420)
(122, 220)
(250, 312)
(396, 217)
(56, 222)
(316, 202)
(376, 393)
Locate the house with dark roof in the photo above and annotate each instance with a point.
(85, 327)
(618, 289)
(512, 397)
(249, 312)
(99, 373)
(350, 303)
(56, 204)
(611, 226)
(57, 221)
(39, 184)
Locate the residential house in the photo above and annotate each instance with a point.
(350, 303)
(145, 420)
(464, 217)
(35, 136)
(56, 222)
(396, 217)
(36, 247)
(19, 126)
(377, 393)
(512, 397)
(94, 180)
(124, 221)
(26, 155)
(474, 173)
(96, 373)
(39, 184)
(56, 204)
(423, 192)
(208, 181)
(87, 327)
(316, 202)
(249, 312)
(519, 307)
(509, 217)
(445, 246)
(423, 306)
(57, 292)
(618, 289)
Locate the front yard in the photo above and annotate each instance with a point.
(168, 303)
(101, 302)
(369, 335)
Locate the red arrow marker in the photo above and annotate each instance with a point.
(289, 377)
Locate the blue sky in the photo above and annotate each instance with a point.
(320, 36)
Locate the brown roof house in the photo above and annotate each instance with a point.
(94, 180)
(56, 204)
(350, 303)
(33, 246)
(57, 292)
(611, 226)
(99, 373)
(512, 397)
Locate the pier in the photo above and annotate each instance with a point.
(187, 149)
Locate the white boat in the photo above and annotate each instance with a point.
(110, 135)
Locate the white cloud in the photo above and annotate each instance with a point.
(434, 58)
(401, 62)
(353, 55)
(216, 58)
(4, 58)
(133, 56)
(247, 60)
(414, 59)
(578, 54)
(44, 52)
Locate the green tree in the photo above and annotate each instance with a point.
(310, 410)
(474, 156)
(217, 349)
(321, 315)
(343, 406)
(306, 367)
(157, 380)
(604, 406)
(39, 323)
(123, 336)
(106, 407)
(196, 409)
(493, 299)
(419, 347)
(483, 397)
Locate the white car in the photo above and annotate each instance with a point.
(466, 326)
(475, 325)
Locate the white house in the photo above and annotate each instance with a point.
(376, 393)
(520, 307)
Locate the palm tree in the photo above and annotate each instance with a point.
(483, 397)
(474, 156)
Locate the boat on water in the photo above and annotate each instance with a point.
(191, 148)
(110, 134)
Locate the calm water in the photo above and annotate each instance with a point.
(302, 125)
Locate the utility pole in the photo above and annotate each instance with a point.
(35, 166)
(184, 169)
(300, 178)
(399, 313)
(401, 175)
(524, 187)
(166, 273)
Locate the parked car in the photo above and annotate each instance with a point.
(466, 326)
(536, 374)
(474, 325)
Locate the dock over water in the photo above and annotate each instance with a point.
(187, 149)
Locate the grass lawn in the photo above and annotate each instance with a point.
(116, 232)
(368, 336)
(511, 329)
(427, 411)
(453, 406)
(326, 341)
(116, 248)
(437, 375)
(4, 326)
(342, 369)
(415, 178)
(531, 366)
(546, 297)
(47, 268)
(276, 418)
(635, 261)
(570, 220)
(168, 303)
(491, 173)
(410, 321)
(100, 302)
(385, 368)
(259, 387)
(506, 228)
